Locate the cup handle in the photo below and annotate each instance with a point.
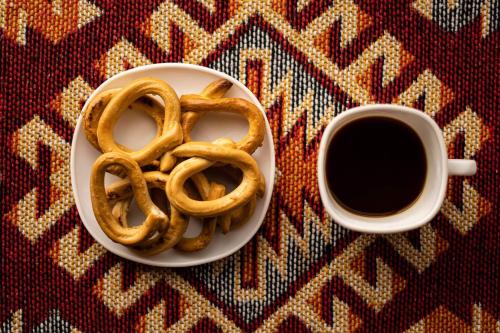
(461, 167)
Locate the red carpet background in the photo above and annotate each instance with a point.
(306, 61)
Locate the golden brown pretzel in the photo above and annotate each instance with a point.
(156, 220)
(120, 211)
(145, 104)
(171, 133)
(197, 104)
(178, 223)
(216, 89)
(202, 155)
(121, 193)
(242, 214)
(201, 241)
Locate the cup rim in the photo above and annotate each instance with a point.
(374, 226)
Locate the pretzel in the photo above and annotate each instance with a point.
(121, 193)
(97, 105)
(201, 241)
(172, 143)
(240, 215)
(171, 133)
(202, 155)
(216, 89)
(155, 220)
(195, 106)
(178, 225)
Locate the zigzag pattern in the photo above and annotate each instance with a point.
(306, 62)
(445, 13)
(54, 20)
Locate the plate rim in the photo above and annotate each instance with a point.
(196, 68)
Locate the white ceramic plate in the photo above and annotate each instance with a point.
(135, 130)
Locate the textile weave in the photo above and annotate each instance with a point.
(306, 61)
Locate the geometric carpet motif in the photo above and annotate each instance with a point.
(306, 61)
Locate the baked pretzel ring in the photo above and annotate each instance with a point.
(216, 89)
(155, 220)
(195, 106)
(171, 133)
(242, 214)
(178, 223)
(121, 193)
(202, 155)
(201, 241)
(93, 113)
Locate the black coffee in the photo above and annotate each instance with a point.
(376, 166)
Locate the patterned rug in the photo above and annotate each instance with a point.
(307, 61)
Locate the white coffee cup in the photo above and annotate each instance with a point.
(439, 167)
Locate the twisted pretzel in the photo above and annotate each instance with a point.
(171, 133)
(195, 106)
(216, 89)
(94, 111)
(178, 226)
(242, 214)
(202, 155)
(201, 241)
(121, 193)
(155, 220)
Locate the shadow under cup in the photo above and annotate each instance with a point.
(432, 195)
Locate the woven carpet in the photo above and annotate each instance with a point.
(306, 61)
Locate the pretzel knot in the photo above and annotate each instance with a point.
(93, 113)
(171, 135)
(156, 220)
(201, 156)
(195, 106)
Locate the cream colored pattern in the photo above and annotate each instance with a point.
(66, 254)
(16, 321)
(196, 308)
(266, 254)
(474, 206)
(428, 84)
(169, 12)
(347, 12)
(395, 58)
(110, 288)
(443, 320)
(425, 8)
(209, 4)
(69, 102)
(388, 282)
(87, 12)
(25, 144)
(431, 245)
(120, 52)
